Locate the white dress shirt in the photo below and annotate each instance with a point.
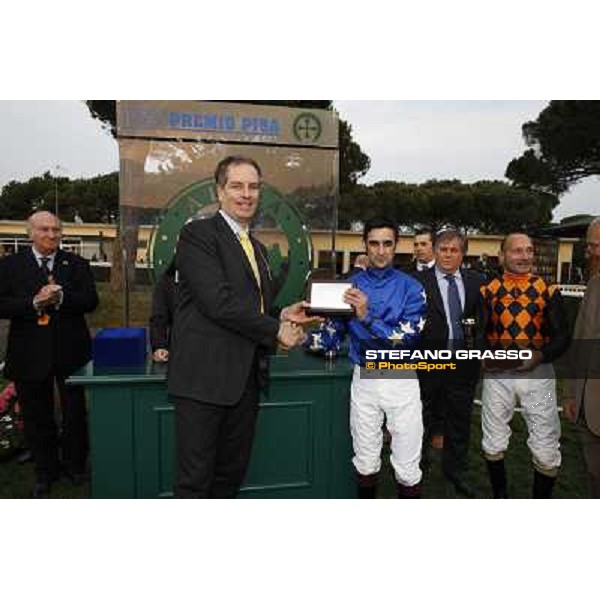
(443, 285)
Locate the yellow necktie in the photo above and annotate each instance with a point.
(249, 250)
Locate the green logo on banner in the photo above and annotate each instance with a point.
(307, 128)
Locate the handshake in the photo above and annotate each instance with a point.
(290, 335)
(292, 318)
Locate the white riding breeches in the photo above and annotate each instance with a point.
(536, 393)
(400, 401)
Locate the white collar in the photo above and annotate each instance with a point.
(421, 266)
(39, 255)
(441, 275)
(236, 227)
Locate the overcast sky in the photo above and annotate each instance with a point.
(408, 141)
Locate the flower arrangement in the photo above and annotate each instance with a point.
(11, 422)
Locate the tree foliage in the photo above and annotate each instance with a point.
(484, 206)
(104, 111)
(564, 147)
(354, 163)
(95, 199)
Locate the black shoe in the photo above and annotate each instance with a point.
(24, 456)
(542, 485)
(41, 489)
(406, 492)
(366, 487)
(76, 478)
(462, 486)
(497, 475)
(366, 492)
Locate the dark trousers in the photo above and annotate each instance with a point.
(447, 408)
(590, 445)
(36, 399)
(214, 444)
(434, 409)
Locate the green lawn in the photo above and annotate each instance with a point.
(16, 480)
(571, 483)
(110, 310)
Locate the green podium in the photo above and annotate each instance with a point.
(302, 447)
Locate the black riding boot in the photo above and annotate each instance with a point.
(409, 491)
(497, 474)
(366, 485)
(542, 485)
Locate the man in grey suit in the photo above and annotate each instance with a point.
(582, 401)
(222, 334)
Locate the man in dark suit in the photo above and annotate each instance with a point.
(161, 314)
(452, 296)
(45, 293)
(423, 249)
(581, 400)
(222, 332)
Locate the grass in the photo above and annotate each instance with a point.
(571, 482)
(16, 480)
(110, 311)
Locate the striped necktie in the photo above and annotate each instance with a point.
(249, 250)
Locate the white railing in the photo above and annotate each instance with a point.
(88, 250)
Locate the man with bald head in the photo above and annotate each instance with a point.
(522, 312)
(582, 399)
(45, 292)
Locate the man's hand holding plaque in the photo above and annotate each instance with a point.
(297, 313)
(328, 299)
(358, 300)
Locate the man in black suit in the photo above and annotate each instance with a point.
(423, 249)
(452, 296)
(222, 332)
(161, 314)
(45, 293)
